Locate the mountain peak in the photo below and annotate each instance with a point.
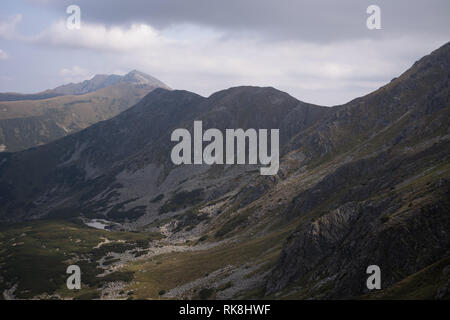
(134, 71)
(139, 77)
(99, 81)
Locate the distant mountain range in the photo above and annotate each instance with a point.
(99, 81)
(28, 120)
(359, 184)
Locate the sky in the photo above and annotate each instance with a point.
(319, 51)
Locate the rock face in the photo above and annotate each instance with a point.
(30, 120)
(343, 242)
(388, 207)
(359, 184)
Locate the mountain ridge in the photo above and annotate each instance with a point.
(364, 183)
(97, 82)
(27, 123)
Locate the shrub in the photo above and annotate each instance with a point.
(205, 293)
(231, 225)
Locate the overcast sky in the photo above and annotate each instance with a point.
(319, 51)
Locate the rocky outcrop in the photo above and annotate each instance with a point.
(343, 243)
(388, 203)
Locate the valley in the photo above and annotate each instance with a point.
(363, 183)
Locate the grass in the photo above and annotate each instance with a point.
(421, 285)
(182, 200)
(36, 254)
(232, 224)
(173, 269)
(205, 293)
(189, 219)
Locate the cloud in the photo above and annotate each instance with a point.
(9, 25)
(3, 55)
(312, 21)
(98, 37)
(75, 74)
(324, 55)
(74, 71)
(205, 60)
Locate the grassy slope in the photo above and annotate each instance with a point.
(420, 285)
(86, 103)
(27, 123)
(174, 269)
(35, 255)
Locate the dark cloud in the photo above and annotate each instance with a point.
(314, 20)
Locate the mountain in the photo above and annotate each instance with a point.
(99, 81)
(386, 201)
(40, 118)
(364, 183)
(134, 145)
(13, 96)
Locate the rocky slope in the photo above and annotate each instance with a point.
(388, 202)
(359, 184)
(103, 170)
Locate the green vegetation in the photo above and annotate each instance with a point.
(190, 219)
(421, 285)
(182, 200)
(117, 213)
(232, 224)
(173, 269)
(89, 295)
(205, 293)
(384, 218)
(35, 256)
(32, 119)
